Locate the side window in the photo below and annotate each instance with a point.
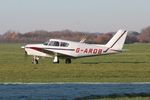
(64, 44)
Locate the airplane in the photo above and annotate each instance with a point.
(64, 49)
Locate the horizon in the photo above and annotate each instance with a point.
(75, 15)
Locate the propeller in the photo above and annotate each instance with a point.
(22, 47)
(25, 53)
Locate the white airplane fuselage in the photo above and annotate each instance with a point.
(74, 50)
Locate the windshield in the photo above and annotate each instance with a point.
(45, 43)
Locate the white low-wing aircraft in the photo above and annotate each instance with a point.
(64, 49)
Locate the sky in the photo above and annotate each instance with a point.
(76, 15)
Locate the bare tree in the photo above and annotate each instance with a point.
(144, 37)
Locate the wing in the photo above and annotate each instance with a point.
(60, 52)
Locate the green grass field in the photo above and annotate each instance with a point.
(132, 65)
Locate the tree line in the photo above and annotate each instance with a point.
(99, 38)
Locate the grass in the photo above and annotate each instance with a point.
(132, 65)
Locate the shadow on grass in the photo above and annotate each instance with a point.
(112, 62)
(129, 95)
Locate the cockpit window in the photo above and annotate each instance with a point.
(54, 43)
(64, 44)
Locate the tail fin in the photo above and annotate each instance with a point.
(117, 41)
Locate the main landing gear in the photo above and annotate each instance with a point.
(68, 61)
(56, 60)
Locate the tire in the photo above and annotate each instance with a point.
(68, 61)
(35, 61)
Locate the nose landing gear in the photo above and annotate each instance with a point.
(35, 60)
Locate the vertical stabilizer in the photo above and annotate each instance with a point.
(117, 41)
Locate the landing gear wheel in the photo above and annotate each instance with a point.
(35, 60)
(68, 61)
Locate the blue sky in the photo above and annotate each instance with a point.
(77, 15)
